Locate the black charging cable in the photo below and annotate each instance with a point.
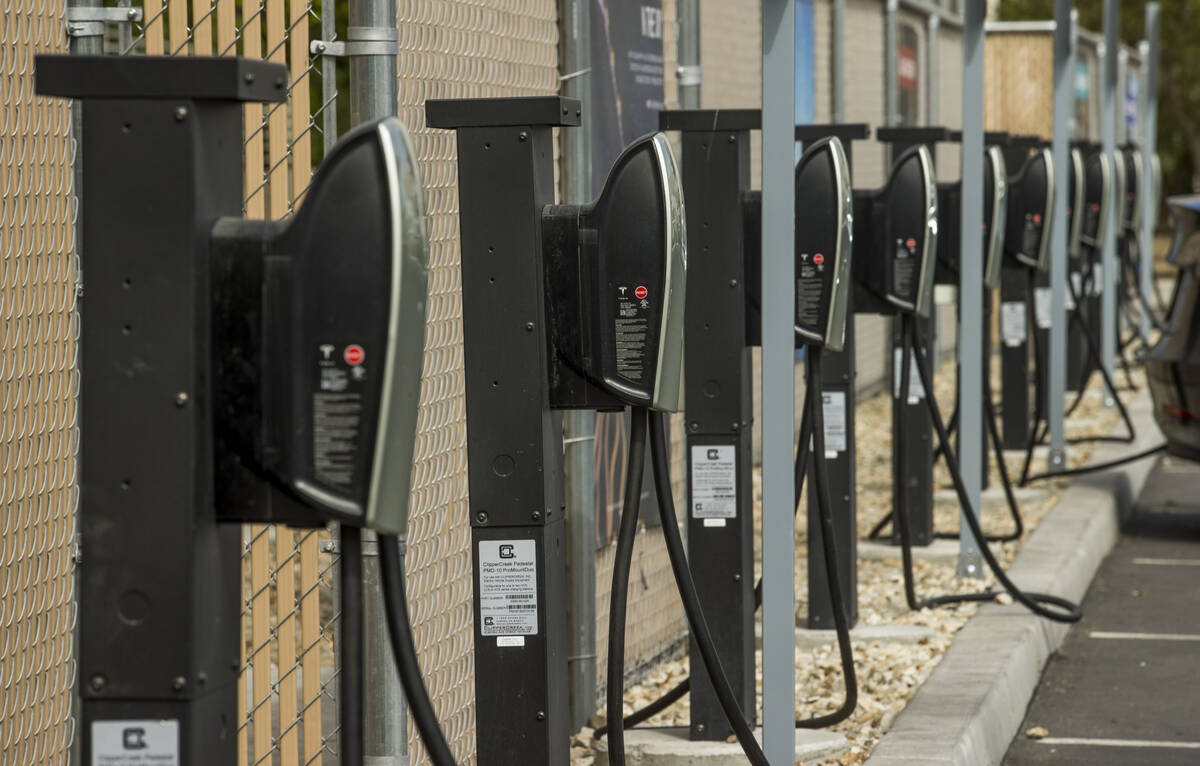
(619, 594)
(683, 578)
(802, 463)
(841, 622)
(350, 647)
(404, 651)
(1034, 602)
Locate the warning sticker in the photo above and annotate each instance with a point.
(714, 481)
(834, 410)
(629, 331)
(135, 743)
(916, 391)
(1013, 329)
(1041, 305)
(508, 588)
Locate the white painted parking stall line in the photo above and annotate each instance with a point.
(1140, 743)
(1148, 562)
(1144, 636)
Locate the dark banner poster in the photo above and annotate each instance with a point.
(626, 96)
(626, 77)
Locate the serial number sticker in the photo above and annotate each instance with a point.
(1042, 301)
(714, 481)
(508, 588)
(135, 743)
(916, 391)
(833, 408)
(1013, 327)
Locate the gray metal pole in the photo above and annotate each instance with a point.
(1149, 191)
(688, 72)
(579, 426)
(80, 44)
(778, 379)
(933, 73)
(837, 63)
(970, 283)
(1064, 69)
(385, 733)
(891, 88)
(1108, 137)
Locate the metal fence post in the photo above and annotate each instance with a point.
(778, 379)
(1108, 139)
(579, 426)
(372, 96)
(1064, 68)
(688, 71)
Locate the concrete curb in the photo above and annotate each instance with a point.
(972, 705)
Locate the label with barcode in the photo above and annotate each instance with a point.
(1013, 329)
(508, 599)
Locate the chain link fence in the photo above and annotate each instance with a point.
(39, 438)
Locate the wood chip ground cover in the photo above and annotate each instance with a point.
(888, 673)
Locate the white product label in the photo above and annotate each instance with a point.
(1041, 304)
(508, 587)
(714, 481)
(510, 641)
(714, 522)
(834, 410)
(135, 743)
(1013, 329)
(1097, 279)
(916, 391)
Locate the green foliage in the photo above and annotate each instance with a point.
(1179, 74)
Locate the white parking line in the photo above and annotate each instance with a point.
(1168, 562)
(1142, 743)
(1144, 636)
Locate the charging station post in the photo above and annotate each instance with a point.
(912, 442)
(514, 439)
(717, 390)
(160, 597)
(838, 374)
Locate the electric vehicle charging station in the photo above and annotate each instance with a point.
(906, 284)
(1027, 247)
(564, 307)
(1076, 212)
(895, 246)
(1097, 196)
(949, 255)
(724, 319)
(232, 371)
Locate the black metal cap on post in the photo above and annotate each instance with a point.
(925, 134)
(197, 78)
(552, 111)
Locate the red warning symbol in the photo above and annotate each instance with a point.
(354, 354)
(911, 243)
(640, 292)
(818, 259)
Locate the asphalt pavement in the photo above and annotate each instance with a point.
(1124, 687)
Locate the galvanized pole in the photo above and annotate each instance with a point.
(778, 379)
(84, 39)
(932, 75)
(1108, 136)
(837, 64)
(970, 284)
(1149, 191)
(688, 72)
(1064, 88)
(891, 87)
(579, 426)
(371, 27)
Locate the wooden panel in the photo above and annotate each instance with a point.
(177, 26)
(153, 12)
(1019, 91)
